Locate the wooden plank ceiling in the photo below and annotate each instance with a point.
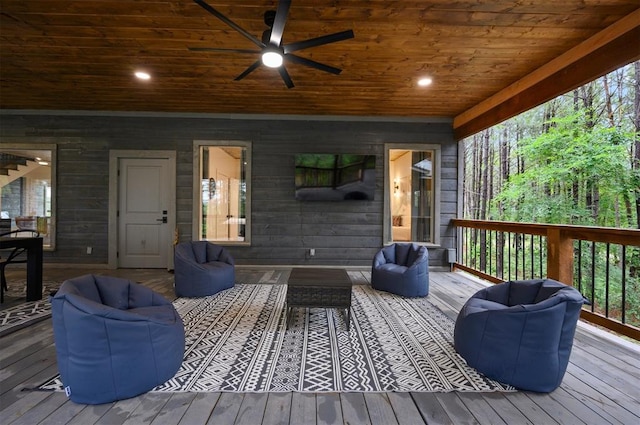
(81, 55)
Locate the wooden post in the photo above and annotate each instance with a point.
(560, 256)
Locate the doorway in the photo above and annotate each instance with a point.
(142, 199)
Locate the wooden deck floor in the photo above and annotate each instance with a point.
(601, 386)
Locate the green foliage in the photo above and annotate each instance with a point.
(564, 164)
(569, 161)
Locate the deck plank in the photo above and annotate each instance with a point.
(596, 401)
(505, 409)
(64, 414)
(150, 406)
(456, 409)
(43, 409)
(481, 409)
(600, 385)
(226, 409)
(11, 413)
(554, 409)
(354, 409)
(252, 408)
(617, 396)
(431, 409)
(91, 414)
(405, 409)
(583, 411)
(15, 346)
(174, 409)
(303, 409)
(328, 409)
(120, 411)
(611, 354)
(380, 409)
(278, 409)
(200, 408)
(25, 369)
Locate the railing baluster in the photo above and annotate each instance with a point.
(509, 236)
(593, 276)
(624, 284)
(517, 257)
(606, 281)
(579, 270)
(533, 269)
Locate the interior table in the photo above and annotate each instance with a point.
(34, 263)
(319, 288)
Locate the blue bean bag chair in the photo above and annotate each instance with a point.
(202, 268)
(520, 332)
(114, 338)
(403, 269)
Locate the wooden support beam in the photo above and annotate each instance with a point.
(559, 256)
(606, 51)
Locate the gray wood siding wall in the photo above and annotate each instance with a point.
(283, 229)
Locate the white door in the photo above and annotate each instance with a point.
(144, 236)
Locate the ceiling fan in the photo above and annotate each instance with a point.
(271, 49)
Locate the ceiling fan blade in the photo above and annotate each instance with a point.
(279, 21)
(216, 49)
(249, 70)
(285, 77)
(318, 41)
(229, 22)
(313, 64)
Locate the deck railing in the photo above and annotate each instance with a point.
(602, 263)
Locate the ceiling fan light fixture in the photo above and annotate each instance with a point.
(272, 59)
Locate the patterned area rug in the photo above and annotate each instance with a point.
(237, 341)
(23, 315)
(28, 312)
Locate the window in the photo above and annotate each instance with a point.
(223, 188)
(411, 212)
(27, 190)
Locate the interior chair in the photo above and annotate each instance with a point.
(114, 338)
(202, 268)
(13, 255)
(520, 332)
(403, 269)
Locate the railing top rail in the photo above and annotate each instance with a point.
(588, 233)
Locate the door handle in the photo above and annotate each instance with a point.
(163, 219)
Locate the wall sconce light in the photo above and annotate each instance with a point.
(395, 187)
(212, 188)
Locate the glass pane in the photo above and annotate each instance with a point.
(224, 193)
(411, 200)
(26, 192)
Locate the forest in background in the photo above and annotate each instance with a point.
(573, 160)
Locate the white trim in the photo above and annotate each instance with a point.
(437, 164)
(53, 147)
(197, 199)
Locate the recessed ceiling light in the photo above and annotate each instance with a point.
(142, 75)
(423, 82)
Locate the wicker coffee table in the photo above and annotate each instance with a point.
(319, 288)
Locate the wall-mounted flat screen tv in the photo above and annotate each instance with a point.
(335, 177)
